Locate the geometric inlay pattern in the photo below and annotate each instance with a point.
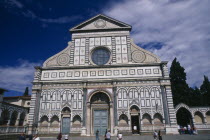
(63, 59)
(138, 56)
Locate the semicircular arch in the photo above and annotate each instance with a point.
(100, 91)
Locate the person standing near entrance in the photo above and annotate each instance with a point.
(155, 135)
(159, 135)
(119, 136)
(97, 135)
(66, 137)
(59, 136)
(108, 135)
(189, 129)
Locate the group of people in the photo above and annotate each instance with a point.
(157, 135)
(107, 135)
(23, 137)
(187, 130)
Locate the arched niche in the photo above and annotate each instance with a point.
(123, 120)
(184, 117)
(146, 119)
(198, 117)
(22, 118)
(44, 121)
(134, 109)
(54, 121)
(76, 121)
(158, 119)
(208, 117)
(13, 118)
(100, 98)
(66, 110)
(4, 117)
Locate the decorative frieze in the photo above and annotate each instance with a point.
(101, 73)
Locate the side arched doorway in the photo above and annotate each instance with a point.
(66, 120)
(184, 117)
(100, 113)
(135, 124)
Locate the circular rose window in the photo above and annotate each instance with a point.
(100, 56)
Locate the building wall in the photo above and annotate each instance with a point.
(131, 77)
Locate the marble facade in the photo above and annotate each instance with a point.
(102, 72)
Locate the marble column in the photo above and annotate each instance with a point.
(112, 118)
(165, 105)
(83, 131)
(115, 105)
(88, 122)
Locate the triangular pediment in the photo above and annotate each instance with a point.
(99, 23)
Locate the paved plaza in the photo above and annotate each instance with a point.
(165, 137)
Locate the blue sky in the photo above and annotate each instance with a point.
(33, 30)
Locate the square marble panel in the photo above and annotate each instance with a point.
(108, 73)
(148, 71)
(125, 58)
(85, 73)
(82, 50)
(61, 74)
(93, 73)
(116, 72)
(140, 71)
(124, 49)
(118, 49)
(46, 75)
(97, 41)
(76, 50)
(76, 60)
(82, 60)
(123, 40)
(117, 40)
(92, 41)
(156, 71)
(132, 71)
(82, 43)
(119, 58)
(69, 73)
(124, 72)
(100, 73)
(77, 42)
(77, 73)
(53, 74)
(108, 41)
(103, 41)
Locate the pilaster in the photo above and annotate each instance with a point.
(113, 50)
(34, 106)
(115, 104)
(17, 120)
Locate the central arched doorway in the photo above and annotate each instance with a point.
(184, 117)
(135, 124)
(66, 115)
(100, 111)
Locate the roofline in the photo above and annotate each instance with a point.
(105, 16)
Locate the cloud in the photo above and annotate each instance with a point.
(17, 77)
(60, 20)
(14, 3)
(18, 8)
(181, 26)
